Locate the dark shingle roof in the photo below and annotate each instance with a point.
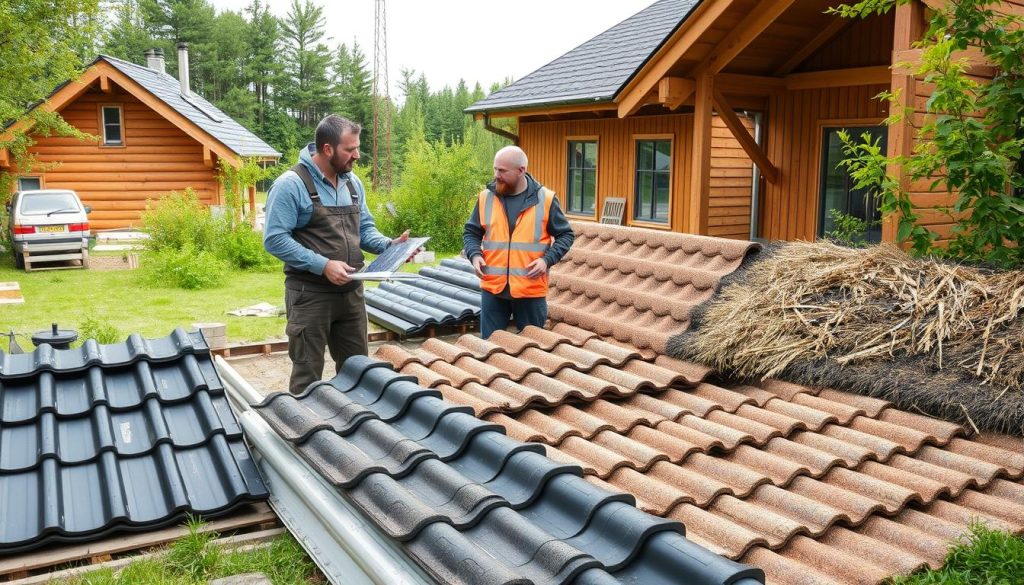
(103, 438)
(199, 111)
(599, 68)
(445, 295)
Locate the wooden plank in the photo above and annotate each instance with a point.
(672, 91)
(834, 28)
(739, 131)
(740, 37)
(878, 74)
(55, 555)
(700, 167)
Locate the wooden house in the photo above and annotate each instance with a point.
(154, 136)
(721, 117)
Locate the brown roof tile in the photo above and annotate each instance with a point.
(1012, 462)
(515, 429)
(676, 448)
(740, 479)
(892, 497)
(761, 433)
(547, 362)
(557, 391)
(982, 471)
(597, 382)
(693, 372)
(664, 486)
(516, 368)
(844, 413)
(479, 347)
(654, 405)
(851, 455)
(779, 469)
(816, 461)
(782, 570)
(594, 458)
(577, 336)
(731, 401)
(909, 440)
(689, 435)
(814, 419)
(580, 358)
(481, 406)
(786, 390)
(640, 455)
(621, 417)
(942, 430)
(543, 338)
(881, 448)
(871, 406)
(396, 355)
(446, 351)
(426, 376)
(617, 355)
(510, 342)
(784, 424)
(730, 437)
(850, 505)
(715, 532)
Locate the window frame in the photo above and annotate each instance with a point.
(103, 126)
(569, 141)
(855, 125)
(37, 177)
(633, 202)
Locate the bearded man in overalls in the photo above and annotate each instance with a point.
(318, 224)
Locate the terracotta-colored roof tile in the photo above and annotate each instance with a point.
(596, 459)
(937, 527)
(953, 481)
(784, 570)
(516, 368)
(694, 373)
(816, 461)
(646, 353)
(780, 470)
(587, 424)
(644, 330)
(626, 378)
(595, 383)
(786, 390)
(578, 337)
(851, 455)
(760, 432)
(816, 517)
(690, 435)
(557, 391)
(395, 354)
(928, 488)
(845, 566)
(662, 377)
(942, 430)
(1010, 490)
(448, 352)
(982, 471)
(892, 497)
(740, 479)
(543, 338)
(511, 342)
(516, 429)
(909, 440)
(715, 532)
(851, 505)
(616, 355)
(843, 412)
(1012, 513)
(965, 513)
(730, 437)
(551, 430)
(784, 424)
(881, 448)
(481, 406)
(1011, 461)
(922, 544)
(513, 398)
(426, 376)
(677, 449)
(871, 406)
(730, 400)
(621, 417)
(760, 396)
(665, 486)
(547, 362)
(775, 529)
(814, 419)
(640, 455)
(480, 371)
(677, 307)
(1007, 442)
(479, 347)
(688, 401)
(653, 405)
(891, 559)
(559, 456)
(581, 359)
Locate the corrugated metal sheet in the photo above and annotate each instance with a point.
(471, 504)
(103, 438)
(445, 295)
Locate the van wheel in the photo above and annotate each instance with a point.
(19, 261)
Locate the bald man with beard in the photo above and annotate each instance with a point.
(516, 233)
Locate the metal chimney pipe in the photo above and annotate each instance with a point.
(183, 68)
(158, 60)
(151, 58)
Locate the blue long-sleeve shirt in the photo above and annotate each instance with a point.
(289, 207)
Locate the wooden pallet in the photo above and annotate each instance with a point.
(250, 525)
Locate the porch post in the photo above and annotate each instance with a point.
(700, 164)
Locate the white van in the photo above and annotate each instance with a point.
(48, 225)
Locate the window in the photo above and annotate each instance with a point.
(113, 130)
(29, 183)
(582, 173)
(653, 173)
(837, 192)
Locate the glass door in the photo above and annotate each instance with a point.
(837, 192)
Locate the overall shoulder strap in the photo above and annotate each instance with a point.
(307, 180)
(352, 191)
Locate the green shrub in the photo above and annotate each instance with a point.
(186, 268)
(101, 331)
(848, 230)
(243, 248)
(435, 195)
(180, 219)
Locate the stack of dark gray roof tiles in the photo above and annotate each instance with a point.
(103, 438)
(472, 505)
(445, 295)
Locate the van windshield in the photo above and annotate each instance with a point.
(43, 203)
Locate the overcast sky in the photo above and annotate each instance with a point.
(477, 40)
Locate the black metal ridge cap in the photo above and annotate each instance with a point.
(461, 494)
(452, 276)
(135, 348)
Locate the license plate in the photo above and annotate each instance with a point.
(51, 228)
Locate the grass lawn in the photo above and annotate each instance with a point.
(123, 299)
(983, 557)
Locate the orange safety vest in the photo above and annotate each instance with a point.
(507, 256)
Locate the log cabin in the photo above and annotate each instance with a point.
(721, 117)
(152, 134)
